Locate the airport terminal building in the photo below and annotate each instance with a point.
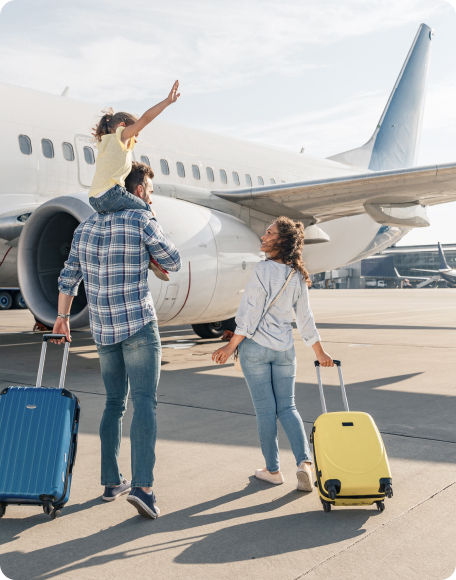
(381, 271)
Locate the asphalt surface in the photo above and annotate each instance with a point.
(398, 349)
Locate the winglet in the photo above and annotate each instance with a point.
(394, 142)
(443, 263)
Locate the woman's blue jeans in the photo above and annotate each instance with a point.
(135, 360)
(270, 376)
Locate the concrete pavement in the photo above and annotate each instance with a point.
(398, 351)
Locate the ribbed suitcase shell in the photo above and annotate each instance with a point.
(348, 447)
(38, 429)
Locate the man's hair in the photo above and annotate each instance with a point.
(137, 176)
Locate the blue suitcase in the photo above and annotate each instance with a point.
(38, 440)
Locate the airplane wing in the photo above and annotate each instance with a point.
(324, 199)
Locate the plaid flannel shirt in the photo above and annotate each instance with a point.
(111, 252)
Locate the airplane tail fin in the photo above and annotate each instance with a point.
(394, 142)
(443, 263)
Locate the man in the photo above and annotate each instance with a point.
(111, 253)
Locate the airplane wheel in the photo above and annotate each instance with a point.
(6, 300)
(209, 330)
(19, 301)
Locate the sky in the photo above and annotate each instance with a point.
(299, 73)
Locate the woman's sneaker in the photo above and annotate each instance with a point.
(144, 502)
(304, 475)
(265, 475)
(112, 492)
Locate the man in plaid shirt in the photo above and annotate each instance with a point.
(111, 253)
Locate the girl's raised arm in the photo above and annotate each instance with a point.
(150, 114)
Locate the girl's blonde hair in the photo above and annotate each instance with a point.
(109, 121)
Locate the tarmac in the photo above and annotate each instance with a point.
(398, 350)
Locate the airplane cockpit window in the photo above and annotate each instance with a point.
(272, 180)
(223, 176)
(236, 179)
(260, 180)
(25, 145)
(196, 172)
(180, 169)
(89, 155)
(164, 166)
(248, 179)
(68, 151)
(145, 159)
(47, 148)
(210, 173)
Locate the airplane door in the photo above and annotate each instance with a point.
(86, 153)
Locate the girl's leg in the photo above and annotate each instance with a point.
(257, 372)
(116, 199)
(283, 380)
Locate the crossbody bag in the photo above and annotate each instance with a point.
(237, 363)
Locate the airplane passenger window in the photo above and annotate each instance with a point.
(145, 159)
(223, 176)
(180, 169)
(89, 155)
(196, 172)
(248, 179)
(68, 151)
(236, 179)
(25, 145)
(210, 173)
(164, 166)
(272, 180)
(47, 148)
(260, 180)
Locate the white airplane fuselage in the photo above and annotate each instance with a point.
(218, 239)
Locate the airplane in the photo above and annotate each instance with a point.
(443, 273)
(214, 198)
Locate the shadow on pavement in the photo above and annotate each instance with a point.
(232, 543)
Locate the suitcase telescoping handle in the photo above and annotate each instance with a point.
(47, 337)
(342, 386)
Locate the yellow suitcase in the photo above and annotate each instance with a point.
(351, 464)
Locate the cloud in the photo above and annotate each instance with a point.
(138, 48)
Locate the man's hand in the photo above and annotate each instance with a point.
(173, 94)
(61, 326)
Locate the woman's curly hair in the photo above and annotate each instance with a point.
(290, 245)
(109, 122)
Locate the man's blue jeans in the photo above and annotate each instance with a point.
(135, 360)
(270, 376)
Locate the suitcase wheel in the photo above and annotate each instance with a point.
(380, 505)
(55, 513)
(2, 509)
(326, 505)
(389, 491)
(47, 508)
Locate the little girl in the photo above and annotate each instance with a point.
(116, 134)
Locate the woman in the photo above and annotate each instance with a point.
(264, 337)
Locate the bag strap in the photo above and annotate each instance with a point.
(280, 292)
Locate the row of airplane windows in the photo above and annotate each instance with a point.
(47, 148)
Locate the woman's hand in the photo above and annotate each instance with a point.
(221, 355)
(325, 360)
(322, 356)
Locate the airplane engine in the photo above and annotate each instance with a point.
(218, 252)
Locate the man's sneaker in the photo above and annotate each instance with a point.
(304, 475)
(112, 492)
(144, 502)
